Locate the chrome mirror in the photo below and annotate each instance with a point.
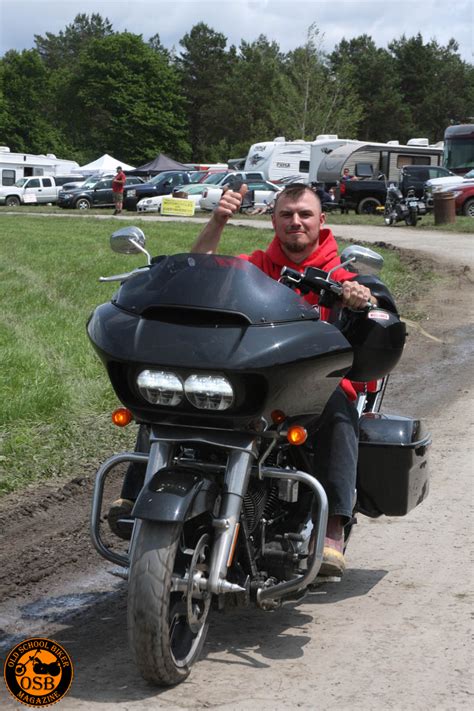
(361, 260)
(129, 240)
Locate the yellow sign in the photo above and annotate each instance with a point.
(177, 206)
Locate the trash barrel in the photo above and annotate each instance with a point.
(444, 208)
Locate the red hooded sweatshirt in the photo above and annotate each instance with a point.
(325, 257)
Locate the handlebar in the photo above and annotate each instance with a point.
(316, 281)
(312, 279)
(122, 277)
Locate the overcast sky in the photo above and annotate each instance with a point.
(285, 21)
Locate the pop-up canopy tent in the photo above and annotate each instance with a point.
(104, 164)
(158, 164)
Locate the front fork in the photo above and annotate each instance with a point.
(227, 525)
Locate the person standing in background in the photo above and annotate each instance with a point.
(118, 184)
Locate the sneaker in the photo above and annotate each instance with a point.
(115, 212)
(333, 565)
(121, 509)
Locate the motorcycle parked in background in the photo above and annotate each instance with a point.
(398, 208)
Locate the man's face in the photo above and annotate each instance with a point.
(297, 223)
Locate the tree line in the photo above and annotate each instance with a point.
(89, 90)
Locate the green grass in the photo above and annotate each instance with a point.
(462, 224)
(56, 398)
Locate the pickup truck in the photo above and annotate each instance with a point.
(365, 196)
(35, 190)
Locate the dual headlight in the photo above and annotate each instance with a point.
(206, 392)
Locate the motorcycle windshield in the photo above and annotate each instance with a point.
(212, 283)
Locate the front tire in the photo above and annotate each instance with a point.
(12, 201)
(468, 208)
(412, 218)
(83, 204)
(388, 215)
(368, 206)
(163, 643)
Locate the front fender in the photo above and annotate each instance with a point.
(176, 495)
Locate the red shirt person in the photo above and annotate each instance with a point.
(301, 240)
(118, 184)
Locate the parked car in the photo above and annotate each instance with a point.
(162, 184)
(227, 177)
(464, 196)
(261, 194)
(94, 193)
(446, 181)
(194, 192)
(34, 190)
(86, 182)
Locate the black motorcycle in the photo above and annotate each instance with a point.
(230, 370)
(399, 208)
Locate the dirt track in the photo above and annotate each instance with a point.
(394, 634)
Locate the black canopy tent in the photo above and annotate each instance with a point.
(158, 165)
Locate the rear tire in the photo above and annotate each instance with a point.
(368, 206)
(163, 644)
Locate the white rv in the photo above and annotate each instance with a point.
(280, 158)
(14, 166)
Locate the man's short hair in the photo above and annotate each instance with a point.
(295, 191)
(119, 167)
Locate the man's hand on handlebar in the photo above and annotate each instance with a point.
(229, 203)
(356, 296)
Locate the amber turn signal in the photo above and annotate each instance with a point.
(278, 417)
(122, 417)
(296, 435)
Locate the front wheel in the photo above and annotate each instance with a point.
(468, 208)
(83, 204)
(166, 626)
(389, 218)
(12, 201)
(412, 218)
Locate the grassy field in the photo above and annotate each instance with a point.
(462, 224)
(56, 399)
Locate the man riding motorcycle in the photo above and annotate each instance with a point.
(301, 241)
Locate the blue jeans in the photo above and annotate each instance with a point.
(332, 453)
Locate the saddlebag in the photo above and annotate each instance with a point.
(392, 471)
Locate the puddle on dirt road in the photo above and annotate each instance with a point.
(46, 615)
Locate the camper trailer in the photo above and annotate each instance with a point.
(371, 160)
(279, 159)
(14, 166)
